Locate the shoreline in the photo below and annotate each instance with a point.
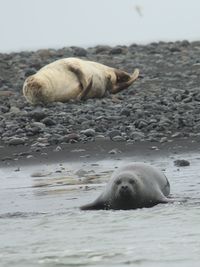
(96, 151)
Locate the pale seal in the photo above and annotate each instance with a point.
(74, 78)
(136, 185)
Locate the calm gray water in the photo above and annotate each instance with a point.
(40, 224)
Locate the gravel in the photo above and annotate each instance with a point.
(162, 105)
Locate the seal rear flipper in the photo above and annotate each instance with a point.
(120, 85)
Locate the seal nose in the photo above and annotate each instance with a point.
(124, 187)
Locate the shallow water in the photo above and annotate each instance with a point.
(41, 225)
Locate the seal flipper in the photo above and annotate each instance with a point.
(124, 80)
(83, 94)
(167, 200)
(96, 205)
(80, 75)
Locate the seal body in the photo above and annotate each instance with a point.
(136, 185)
(74, 78)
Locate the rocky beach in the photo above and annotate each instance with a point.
(162, 107)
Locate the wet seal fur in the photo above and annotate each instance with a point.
(136, 185)
(74, 78)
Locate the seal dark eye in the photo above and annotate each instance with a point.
(118, 182)
(131, 181)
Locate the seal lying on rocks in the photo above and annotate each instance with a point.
(133, 186)
(73, 78)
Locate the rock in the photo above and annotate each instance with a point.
(163, 139)
(117, 50)
(6, 93)
(72, 136)
(102, 49)
(16, 141)
(125, 112)
(114, 133)
(79, 52)
(14, 110)
(137, 136)
(48, 121)
(37, 114)
(181, 163)
(4, 109)
(197, 97)
(57, 149)
(38, 124)
(114, 151)
(118, 138)
(100, 137)
(29, 72)
(176, 135)
(89, 132)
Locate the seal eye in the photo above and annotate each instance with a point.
(131, 181)
(118, 182)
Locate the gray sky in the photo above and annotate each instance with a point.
(34, 24)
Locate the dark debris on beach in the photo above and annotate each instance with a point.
(162, 105)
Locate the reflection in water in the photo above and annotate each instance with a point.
(40, 223)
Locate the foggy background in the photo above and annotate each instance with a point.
(34, 24)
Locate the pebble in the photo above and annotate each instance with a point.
(48, 121)
(16, 141)
(71, 136)
(89, 132)
(181, 163)
(114, 151)
(118, 138)
(114, 133)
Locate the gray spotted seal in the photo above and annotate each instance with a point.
(74, 78)
(136, 185)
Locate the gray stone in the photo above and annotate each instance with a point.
(114, 151)
(163, 139)
(135, 135)
(181, 163)
(72, 136)
(16, 141)
(114, 133)
(125, 112)
(48, 121)
(39, 125)
(37, 114)
(118, 138)
(89, 132)
(14, 110)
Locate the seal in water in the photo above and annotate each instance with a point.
(136, 185)
(74, 78)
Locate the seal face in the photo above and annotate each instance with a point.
(125, 191)
(133, 186)
(73, 78)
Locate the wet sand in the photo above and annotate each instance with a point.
(91, 151)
